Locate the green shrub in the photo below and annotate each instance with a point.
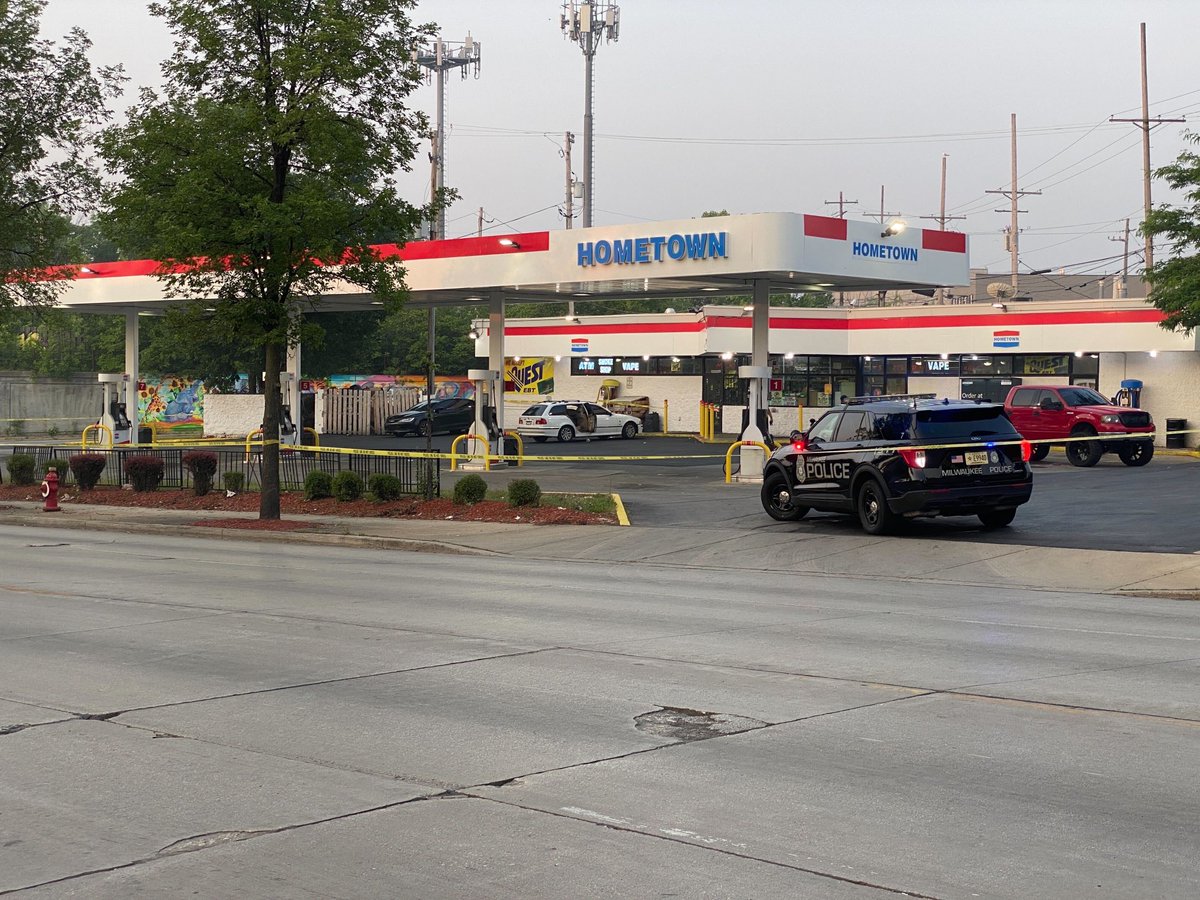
(233, 481)
(318, 485)
(385, 487)
(469, 490)
(145, 472)
(427, 478)
(347, 485)
(60, 466)
(53, 431)
(20, 468)
(203, 466)
(16, 427)
(87, 468)
(524, 492)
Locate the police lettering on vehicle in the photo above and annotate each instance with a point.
(809, 470)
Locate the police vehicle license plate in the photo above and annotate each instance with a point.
(978, 458)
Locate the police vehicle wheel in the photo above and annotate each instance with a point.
(1084, 453)
(874, 514)
(777, 500)
(566, 434)
(997, 518)
(1040, 452)
(1136, 453)
(629, 432)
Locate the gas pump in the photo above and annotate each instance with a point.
(113, 414)
(1130, 394)
(756, 424)
(289, 434)
(487, 387)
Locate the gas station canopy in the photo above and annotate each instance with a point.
(789, 252)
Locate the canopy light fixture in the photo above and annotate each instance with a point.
(509, 242)
(894, 228)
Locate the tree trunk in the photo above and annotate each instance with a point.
(268, 507)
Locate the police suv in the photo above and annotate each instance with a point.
(885, 459)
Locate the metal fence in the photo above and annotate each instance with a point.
(294, 465)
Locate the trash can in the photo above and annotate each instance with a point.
(145, 434)
(1176, 440)
(652, 423)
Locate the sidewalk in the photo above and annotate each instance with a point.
(773, 548)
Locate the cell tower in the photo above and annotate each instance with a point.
(438, 57)
(590, 25)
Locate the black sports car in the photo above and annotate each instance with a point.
(453, 416)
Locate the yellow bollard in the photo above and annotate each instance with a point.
(666, 415)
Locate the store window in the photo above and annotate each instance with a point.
(1047, 364)
(933, 365)
(1087, 365)
(974, 364)
(872, 365)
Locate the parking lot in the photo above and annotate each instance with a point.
(1109, 507)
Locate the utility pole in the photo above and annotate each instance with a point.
(1122, 291)
(1146, 123)
(479, 227)
(1014, 194)
(941, 218)
(569, 206)
(589, 25)
(883, 215)
(842, 203)
(437, 58)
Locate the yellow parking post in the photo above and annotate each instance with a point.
(316, 437)
(487, 457)
(520, 446)
(249, 438)
(666, 416)
(729, 455)
(99, 427)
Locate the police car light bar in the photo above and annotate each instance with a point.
(857, 400)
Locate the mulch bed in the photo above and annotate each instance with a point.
(293, 504)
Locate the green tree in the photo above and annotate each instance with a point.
(271, 152)
(51, 104)
(1175, 280)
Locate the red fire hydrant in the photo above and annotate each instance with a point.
(50, 492)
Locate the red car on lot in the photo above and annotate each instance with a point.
(1048, 414)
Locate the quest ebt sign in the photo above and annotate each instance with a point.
(654, 248)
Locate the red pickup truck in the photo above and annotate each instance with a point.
(1046, 414)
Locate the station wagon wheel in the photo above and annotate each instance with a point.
(777, 499)
(629, 431)
(1136, 453)
(874, 514)
(566, 434)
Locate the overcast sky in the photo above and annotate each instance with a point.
(768, 105)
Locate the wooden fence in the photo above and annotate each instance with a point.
(348, 411)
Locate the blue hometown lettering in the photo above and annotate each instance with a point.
(883, 251)
(631, 251)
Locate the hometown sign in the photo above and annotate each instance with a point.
(653, 248)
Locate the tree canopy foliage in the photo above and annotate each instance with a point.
(52, 103)
(1175, 280)
(271, 153)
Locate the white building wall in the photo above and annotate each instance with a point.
(232, 415)
(1171, 385)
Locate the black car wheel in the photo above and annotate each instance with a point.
(1084, 454)
(629, 431)
(423, 429)
(1136, 453)
(566, 434)
(1040, 452)
(997, 518)
(874, 514)
(777, 499)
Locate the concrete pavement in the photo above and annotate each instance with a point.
(753, 544)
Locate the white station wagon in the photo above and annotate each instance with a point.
(569, 419)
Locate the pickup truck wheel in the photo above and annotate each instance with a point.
(997, 518)
(1084, 453)
(1040, 452)
(1136, 453)
(874, 514)
(777, 499)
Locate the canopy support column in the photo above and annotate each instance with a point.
(758, 376)
(132, 345)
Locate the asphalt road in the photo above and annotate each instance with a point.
(219, 718)
(1108, 507)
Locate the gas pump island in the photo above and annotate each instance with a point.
(113, 414)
